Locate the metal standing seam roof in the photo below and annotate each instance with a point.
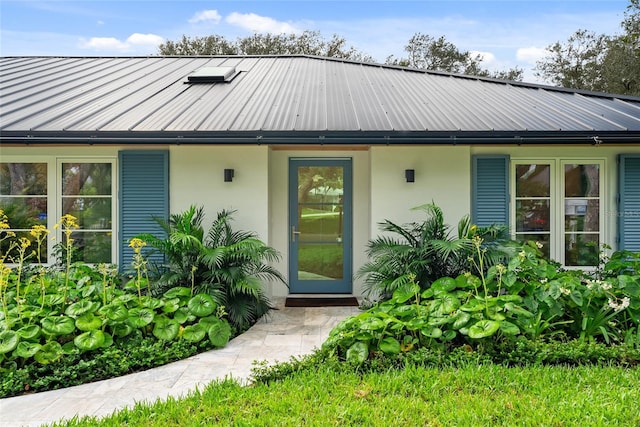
(280, 99)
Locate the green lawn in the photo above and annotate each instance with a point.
(486, 395)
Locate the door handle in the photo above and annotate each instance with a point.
(294, 233)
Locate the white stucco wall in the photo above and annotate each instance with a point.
(442, 176)
(196, 178)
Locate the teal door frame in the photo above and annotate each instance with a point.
(304, 282)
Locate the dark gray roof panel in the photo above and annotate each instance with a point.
(286, 94)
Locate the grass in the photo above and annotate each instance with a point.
(484, 395)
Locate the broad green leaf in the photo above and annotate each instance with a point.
(358, 353)
(81, 307)
(29, 332)
(182, 315)
(372, 324)
(88, 322)
(630, 285)
(8, 341)
(404, 294)
(415, 323)
(509, 298)
(390, 345)
(474, 305)
(152, 303)
(444, 304)
(122, 329)
(27, 349)
(576, 297)
(431, 332)
(443, 285)
(58, 325)
(509, 328)
(219, 333)
(89, 340)
(140, 317)
(165, 329)
(50, 352)
(52, 299)
(201, 305)
(448, 335)
(516, 309)
(114, 311)
(108, 340)
(171, 305)
(483, 328)
(462, 318)
(177, 292)
(194, 333)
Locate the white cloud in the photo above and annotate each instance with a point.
(530, 54)
(100, 22)
(206, 15)
(488, 58)
(103, 43)
(260, 24)
(135, 42)
(144, 39)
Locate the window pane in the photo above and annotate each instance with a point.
(321, 223)
(320, 262)
(24, 212)
(581, 249)
(582, 215)
(532, 215)
(92, 247)
(31, 253)
(541, 238)
(582, 180)
(86, 179)
(92, 213)
(533, 180)
(23, 179)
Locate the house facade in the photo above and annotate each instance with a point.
(312, 153)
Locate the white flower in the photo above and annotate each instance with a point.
(544, 280)
(539, 245)
(606, 286)
(565, 291)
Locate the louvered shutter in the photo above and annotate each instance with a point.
(490, 190)
(629, 202)
(144, 194)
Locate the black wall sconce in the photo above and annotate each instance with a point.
(410, 175)
(228, 175)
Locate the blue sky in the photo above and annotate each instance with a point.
(507, 32)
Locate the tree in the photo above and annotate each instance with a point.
(428, 53)
(575, 63)
(597, 62)
(306, 43)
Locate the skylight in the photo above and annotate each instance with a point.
(212, 75)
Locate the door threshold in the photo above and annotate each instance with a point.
(321, 300)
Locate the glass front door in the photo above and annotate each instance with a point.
(320, 226)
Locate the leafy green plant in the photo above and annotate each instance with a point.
(425, 251)
(228, 265)
(49, 314)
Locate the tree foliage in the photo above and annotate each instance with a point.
(597, 62)
(428, 53)
(306, 43)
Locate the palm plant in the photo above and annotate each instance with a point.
(425, 251)
(226, 264)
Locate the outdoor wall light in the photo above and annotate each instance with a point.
(410, 175)
(228, 175)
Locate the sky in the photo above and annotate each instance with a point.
(507, 33)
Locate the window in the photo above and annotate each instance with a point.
(23, 199)
(41, 192)
(558, 203)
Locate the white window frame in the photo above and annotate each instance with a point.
(557, 201)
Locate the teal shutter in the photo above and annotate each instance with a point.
(629, 202)
(144, 194)
(490, 190)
